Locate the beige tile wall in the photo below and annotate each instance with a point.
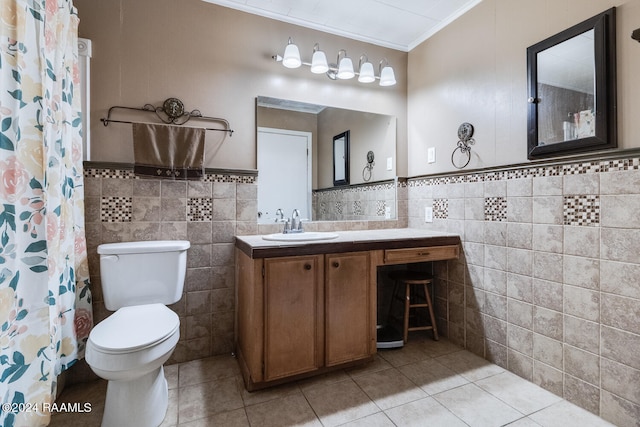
(209, 213)
(364, 202)
(549, 282)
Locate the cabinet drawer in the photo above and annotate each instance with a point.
(434, 253)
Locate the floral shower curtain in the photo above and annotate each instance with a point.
(45, 303)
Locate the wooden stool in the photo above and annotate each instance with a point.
(411, 279)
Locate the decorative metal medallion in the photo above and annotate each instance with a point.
(173, 108)
(370, 157)
(465, 132)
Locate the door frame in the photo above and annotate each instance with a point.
(309, 136)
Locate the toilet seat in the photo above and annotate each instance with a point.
(134, 328)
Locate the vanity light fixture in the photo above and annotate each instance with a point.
(366, 70)
(319, 63)
(387, 76)
(291, 57)
(343, 69)
(345, 66)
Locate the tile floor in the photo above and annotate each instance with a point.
(426, 383)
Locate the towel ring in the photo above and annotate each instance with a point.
(366, 172)
(465, 141)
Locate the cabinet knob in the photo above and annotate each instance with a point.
(307, 266)
(335, 264)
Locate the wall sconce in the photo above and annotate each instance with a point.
(342, 69)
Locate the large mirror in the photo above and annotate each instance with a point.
(572, 89)
(295, 160)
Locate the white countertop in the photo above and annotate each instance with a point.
(256, 246)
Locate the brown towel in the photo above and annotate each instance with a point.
(165, 151)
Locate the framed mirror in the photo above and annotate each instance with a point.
(368, 132)
(572, 89)
(341, 159)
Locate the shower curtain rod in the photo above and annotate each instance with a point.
(171, 113)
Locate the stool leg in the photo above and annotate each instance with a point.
(407, 302)
(431, 315)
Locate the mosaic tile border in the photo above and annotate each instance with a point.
(128, 174)
(595, 166)
(355, 189)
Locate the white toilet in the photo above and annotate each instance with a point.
(129, 347)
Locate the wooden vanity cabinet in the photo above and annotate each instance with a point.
(348, 302)
(293, 291)
(303, 314)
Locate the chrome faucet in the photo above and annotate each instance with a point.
(279, 212)
(295, 224)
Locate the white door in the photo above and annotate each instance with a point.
(284, 173)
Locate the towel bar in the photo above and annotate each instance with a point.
(171, 112)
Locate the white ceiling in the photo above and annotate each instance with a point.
(396, 24)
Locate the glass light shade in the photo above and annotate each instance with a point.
(345, 69)
(366, 73)
(291, 58)
(387, 77)
(319, 62)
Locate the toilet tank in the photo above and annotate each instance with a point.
(136, 273)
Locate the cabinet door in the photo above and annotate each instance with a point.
(293, 315)
(349, 297)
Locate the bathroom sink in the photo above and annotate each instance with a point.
(300, 237)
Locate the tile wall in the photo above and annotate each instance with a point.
(365, 202)
(208, 213)
(549, 282)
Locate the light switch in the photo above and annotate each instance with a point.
(387, 212)
(428, 214)
(389, 163)
(431, 155)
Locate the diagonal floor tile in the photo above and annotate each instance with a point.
(291, 410)
(518, 392)
(403, 356)
(375, 420)
(468, 365)
(340, 402)
(389, 388)
(209, 369)
(567, 414)
(235, 418)
(424, 412)
(206, 399)
(476, 407)
(432, 376)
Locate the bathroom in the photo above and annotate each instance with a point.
(578, 339)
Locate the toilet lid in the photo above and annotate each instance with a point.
(133, 328)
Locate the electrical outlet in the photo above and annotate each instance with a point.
(431, 155)
(387, 212)
(428, 214)
(389, 163)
